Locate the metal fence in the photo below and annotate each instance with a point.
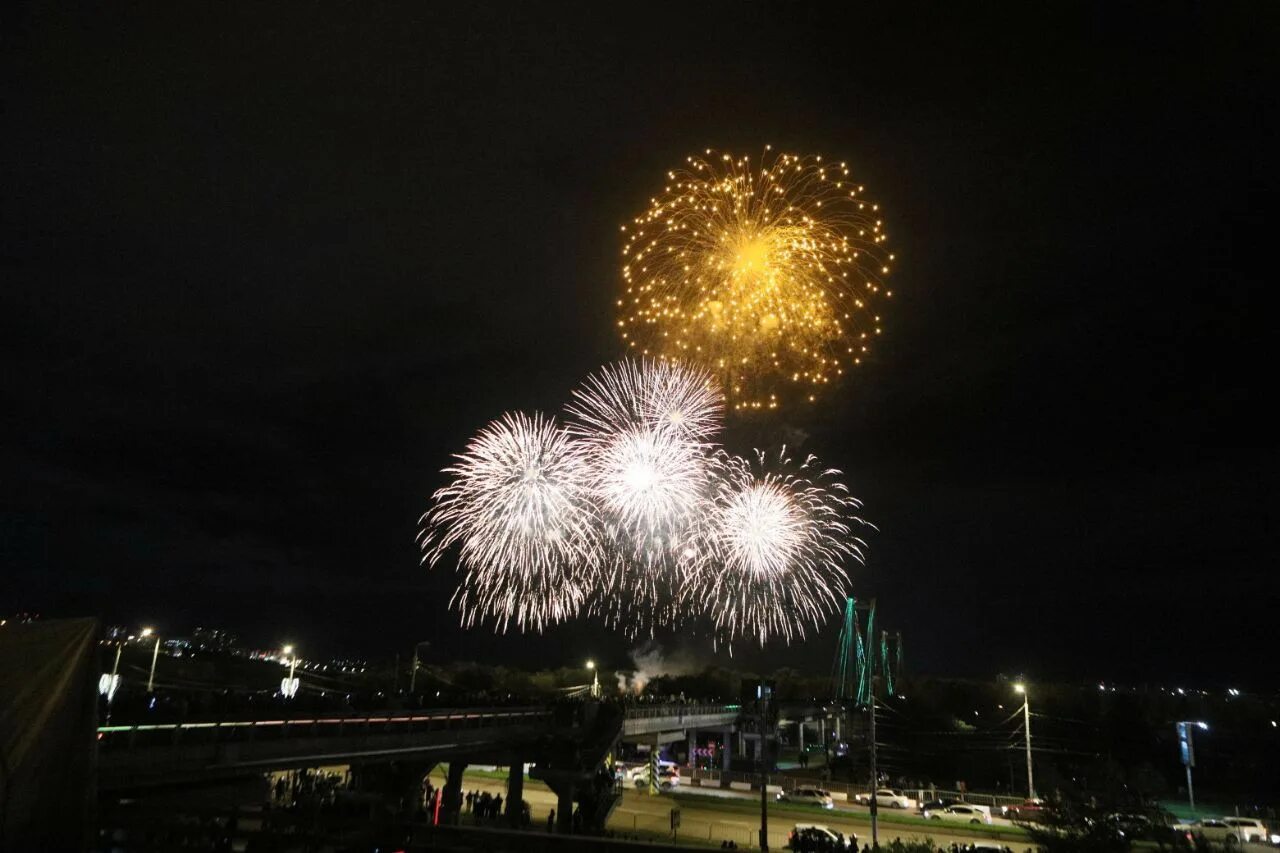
(112, 738)
(845, 790)
(645, 712)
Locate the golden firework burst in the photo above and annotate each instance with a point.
(765, 272)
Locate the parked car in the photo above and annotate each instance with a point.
(886, 797)
(808, 796)
(1131, 825)
(1028, 811)
(1228, 830)
(960, 813)
(813, 838)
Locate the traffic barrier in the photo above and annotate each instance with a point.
(740, 786)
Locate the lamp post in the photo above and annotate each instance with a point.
(413, 673)
(289, 687)
(595, 679)
(155, 654)
(1187, 750)
(1026, 728)
(115, 679)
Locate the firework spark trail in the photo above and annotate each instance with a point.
(782, 534)
(520, 507)
(763, 272)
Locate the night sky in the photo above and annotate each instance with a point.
(264, 270)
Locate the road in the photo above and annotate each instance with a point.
(718, 817)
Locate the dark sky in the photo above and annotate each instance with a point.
(264, 270)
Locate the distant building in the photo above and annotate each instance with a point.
(214, 640)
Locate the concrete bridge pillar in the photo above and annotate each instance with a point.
(451, 805)
(692, 737)
(800, 729)
(515, 793)
(726, 743)
(564, 808)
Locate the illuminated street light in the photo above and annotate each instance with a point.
(1026, 727)
(289, 686)
(595, 679)
(413, 673)
(155, 654)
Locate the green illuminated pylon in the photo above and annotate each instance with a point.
(844, 675)
(858, 654)
(866, 656)
(885, 663)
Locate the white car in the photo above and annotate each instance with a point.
(641, 771)
(888, 798)
(1229, 830)
(668, 778)
(812, 834)
(808, 796)
(960, 813)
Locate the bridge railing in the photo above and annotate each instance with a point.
(645, 712)
(130, 736)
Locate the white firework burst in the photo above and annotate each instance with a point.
(781, 534)
(647, 426)
(650, 393)
(521, 509)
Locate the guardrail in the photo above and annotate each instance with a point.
(111, 738)
(842, 790)
(648, 712)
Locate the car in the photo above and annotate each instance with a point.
(1228, 830)
(1028, 811)
(960, 813)
(668, 777)
(808, 796)
(814, 838)
(886, 797)
(1131, 825)
(940, 803)
(980, 847)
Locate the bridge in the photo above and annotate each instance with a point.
(565, 743)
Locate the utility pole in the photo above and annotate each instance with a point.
(1026, 728)
(762, 693)
(875, 778)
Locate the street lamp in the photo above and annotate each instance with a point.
(1026, 727)
(289, 687)
(155, 653)
(1187, 750)
(413, 674)
(595, 679)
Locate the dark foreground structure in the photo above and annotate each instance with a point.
(48, 716)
